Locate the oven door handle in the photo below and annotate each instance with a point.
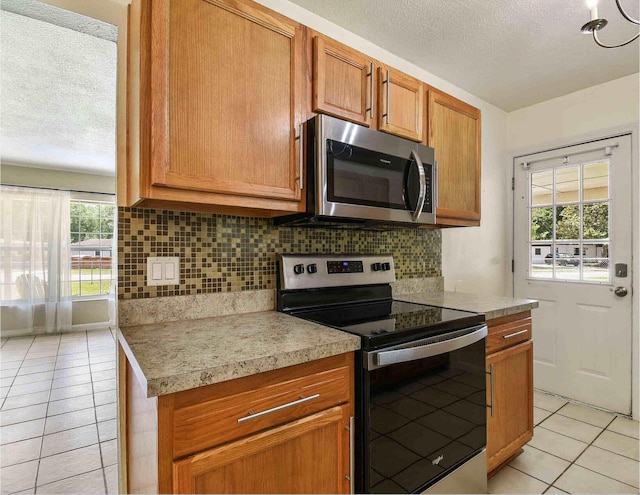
(412, 352)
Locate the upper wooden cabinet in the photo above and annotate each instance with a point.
(454, 132)
(343, 83)
(218, 105)
(401, 108)
(217, 91)
(349, 85)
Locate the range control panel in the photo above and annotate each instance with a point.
(320, 271)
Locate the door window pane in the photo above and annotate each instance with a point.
(596, 221)
(541, 262)
(566, 265)
(568, 185)
(596, 262)
(542, 188)
(541, 224)
(595, 181)
(568, 222)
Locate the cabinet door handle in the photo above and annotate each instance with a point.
(301, 400)
(516, 333)
(492, 385)
(301, 155)
(388, 92)
(370, 75)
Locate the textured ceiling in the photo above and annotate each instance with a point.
(512, 53)
(57, 94)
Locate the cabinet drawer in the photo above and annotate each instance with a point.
(503, 334)
(213, 422)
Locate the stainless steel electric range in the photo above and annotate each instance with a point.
(420, 374)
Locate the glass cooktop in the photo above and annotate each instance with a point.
(391, 321)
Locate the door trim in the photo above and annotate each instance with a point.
(632, 129)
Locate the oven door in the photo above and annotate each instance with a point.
(422, 411)
(367, 174)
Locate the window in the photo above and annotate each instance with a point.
(538, 251)
(92, 246)
(569, 213)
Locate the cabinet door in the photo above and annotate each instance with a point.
(511, 424)
(400, 107)
(225, 89)
(342, 82)
(454, 132)
(309, 455)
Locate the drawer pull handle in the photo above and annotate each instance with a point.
(301, 400)
(516, 333)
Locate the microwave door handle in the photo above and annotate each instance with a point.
(435, 186)
(423, 187)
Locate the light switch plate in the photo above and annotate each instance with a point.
(163, 270)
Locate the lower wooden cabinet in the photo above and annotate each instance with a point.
(509, 393)
(282, 431)
(298, 457)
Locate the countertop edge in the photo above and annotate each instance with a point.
(156, 387)
(131, 358)
(520, 308)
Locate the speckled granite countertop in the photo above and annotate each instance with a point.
(174, 356)
(491, 306)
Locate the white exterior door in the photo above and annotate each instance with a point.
(572, 236)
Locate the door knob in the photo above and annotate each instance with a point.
(620, 291)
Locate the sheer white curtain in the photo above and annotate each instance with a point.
(36, 259)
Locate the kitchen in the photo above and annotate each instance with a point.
(229, 261)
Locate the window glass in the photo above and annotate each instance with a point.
(595, 180)
(542, 188)
(541, 224)
(567, 186)
(595, 262)
(92, 237)
(596, 221)
(570, 223)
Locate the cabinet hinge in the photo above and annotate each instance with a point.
(513, 266)
(513, 183)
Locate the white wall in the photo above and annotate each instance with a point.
(595, 112)
(604, 106)
(475, 257)
(56, 179)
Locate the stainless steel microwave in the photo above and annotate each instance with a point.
(360, 177)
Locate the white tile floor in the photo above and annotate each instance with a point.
(58, 428)
(58, 414)
(575, 449)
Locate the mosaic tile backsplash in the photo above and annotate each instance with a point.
(221, 253)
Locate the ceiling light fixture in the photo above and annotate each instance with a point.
(596, 24)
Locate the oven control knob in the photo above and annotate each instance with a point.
(312, 268)
(386, 267)
(298, 269)
(376, 267)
